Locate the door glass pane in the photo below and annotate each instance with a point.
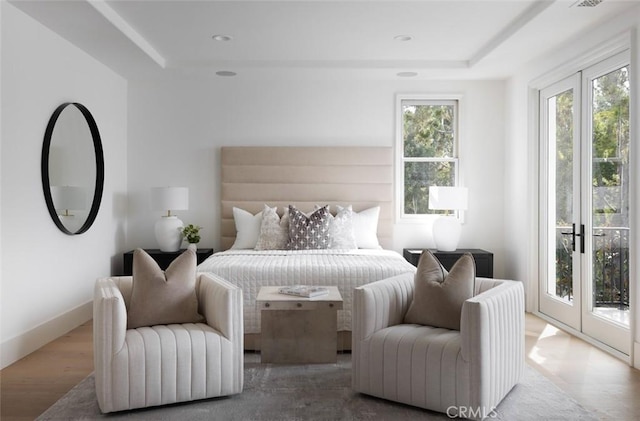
(560, 137)
(610, 195)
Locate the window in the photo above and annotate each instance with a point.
(427, 150)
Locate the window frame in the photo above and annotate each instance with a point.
(424, 99)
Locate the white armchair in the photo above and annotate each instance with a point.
(462, 373)
(164, 364)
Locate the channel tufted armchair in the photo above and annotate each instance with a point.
(164, 364)
(462, 373)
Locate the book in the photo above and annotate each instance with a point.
(304, 291)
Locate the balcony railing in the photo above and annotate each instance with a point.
(610, 266)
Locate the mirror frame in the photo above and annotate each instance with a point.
(99, 160)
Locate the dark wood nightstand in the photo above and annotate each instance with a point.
(483, 258)
(164, 258)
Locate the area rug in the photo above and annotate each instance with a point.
(317, 392)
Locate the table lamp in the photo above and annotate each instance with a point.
(168, 228)
(446, 229)
(66, 198)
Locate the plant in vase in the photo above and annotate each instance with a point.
(191, 234)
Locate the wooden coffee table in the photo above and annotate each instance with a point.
(298, 330)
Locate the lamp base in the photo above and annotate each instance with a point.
(446, 233)
(168, 233)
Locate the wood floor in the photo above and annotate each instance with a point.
(30, 386)
(600, 382)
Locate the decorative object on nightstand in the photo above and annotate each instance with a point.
(164, 258)
(191, 234)
(168, 228)
(446, 229)
(483, 258)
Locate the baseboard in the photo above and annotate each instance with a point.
(636, 354)
(22, 345)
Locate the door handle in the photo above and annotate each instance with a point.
(574, 235)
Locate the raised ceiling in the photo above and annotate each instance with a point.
(450, 38)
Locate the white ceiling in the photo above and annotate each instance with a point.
(450, 38)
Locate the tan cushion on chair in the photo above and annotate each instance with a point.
(438, 295)
(160, 298)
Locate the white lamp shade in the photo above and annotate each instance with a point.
(69, 197)
(170, 198)
(448, 198)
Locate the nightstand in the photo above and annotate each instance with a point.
(164, 258)
(483, 258)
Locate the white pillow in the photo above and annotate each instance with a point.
(274, 231)
(365, 226)
(341, 229)
(247, 228)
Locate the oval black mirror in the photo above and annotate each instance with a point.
(72, 168)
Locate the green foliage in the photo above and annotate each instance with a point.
(428, 132)
(610, 148)
(564, 158)
(611, 268)
(610, 271)
(191, 233)
(610, 192)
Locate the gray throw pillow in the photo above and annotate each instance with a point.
(163, 297)
(438, 295)
(308, 232)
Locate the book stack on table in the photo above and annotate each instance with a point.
(305, 291)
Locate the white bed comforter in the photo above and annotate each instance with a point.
(346, 269)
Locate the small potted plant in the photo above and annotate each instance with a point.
(191, 234)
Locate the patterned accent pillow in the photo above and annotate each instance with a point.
(274, 231)
(308, 232)
(341, 230)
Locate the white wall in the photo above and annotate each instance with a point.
(177, 125)
(521, 213)
(47, 276)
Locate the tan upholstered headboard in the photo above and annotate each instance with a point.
(304, 177)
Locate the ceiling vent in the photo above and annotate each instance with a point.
(586, 3)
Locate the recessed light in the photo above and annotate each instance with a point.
(225, 73)
(221, 37)
(407, 74)
(403, 38)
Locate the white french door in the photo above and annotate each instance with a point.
(560, 180)
(584, 202)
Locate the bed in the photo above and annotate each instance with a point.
(254, 179)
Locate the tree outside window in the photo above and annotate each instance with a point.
(429, 151)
